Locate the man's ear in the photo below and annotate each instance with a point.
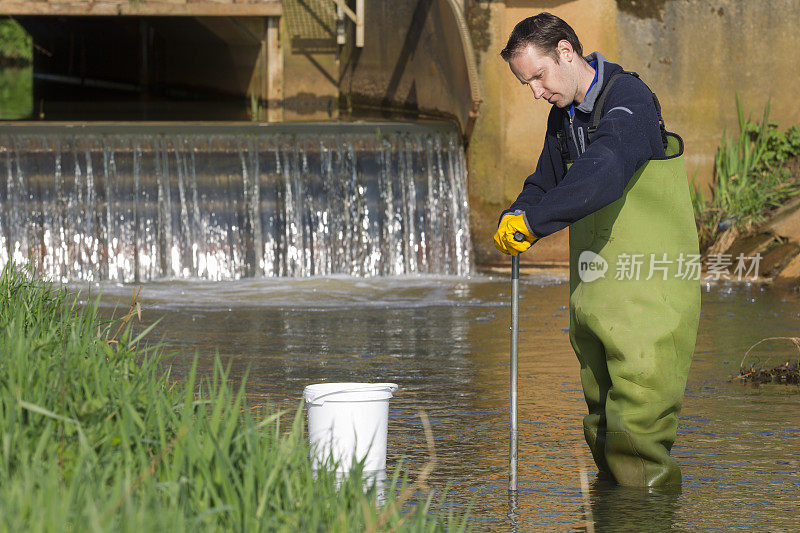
(565, 50)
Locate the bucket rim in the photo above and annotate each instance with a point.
(318, 393)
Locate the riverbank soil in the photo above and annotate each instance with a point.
(776, 241)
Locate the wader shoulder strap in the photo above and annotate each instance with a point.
(561, 135)
(597, 112)
(661, 124)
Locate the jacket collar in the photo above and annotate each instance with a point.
(605, 69)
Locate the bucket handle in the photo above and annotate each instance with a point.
(371, 387)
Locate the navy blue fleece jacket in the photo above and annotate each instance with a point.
(627, 136)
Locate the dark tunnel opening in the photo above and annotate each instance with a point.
(145, 68)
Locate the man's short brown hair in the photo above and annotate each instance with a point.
(543, 31)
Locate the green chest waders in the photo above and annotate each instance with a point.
(635, 337)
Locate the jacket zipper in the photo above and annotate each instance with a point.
(574, 139)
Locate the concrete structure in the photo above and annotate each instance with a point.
(257, 59)
(154, 59)
(417, 62)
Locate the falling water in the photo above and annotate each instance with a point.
(125, 204)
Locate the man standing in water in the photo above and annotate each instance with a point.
(611, 172)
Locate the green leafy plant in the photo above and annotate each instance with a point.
(256, 110)
(16, 46)
(750, 177)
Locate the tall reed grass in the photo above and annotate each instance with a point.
(95, 435)
(750, 176)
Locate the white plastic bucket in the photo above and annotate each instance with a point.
(349, 422)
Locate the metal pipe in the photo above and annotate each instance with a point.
(512, 456)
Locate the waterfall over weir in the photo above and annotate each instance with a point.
(137, 203)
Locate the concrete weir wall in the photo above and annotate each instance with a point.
(696, 56)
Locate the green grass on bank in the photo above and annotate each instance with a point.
(751, 177)
(95, 435)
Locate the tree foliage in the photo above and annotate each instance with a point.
(16, 45)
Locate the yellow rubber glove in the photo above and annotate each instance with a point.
(513, 225)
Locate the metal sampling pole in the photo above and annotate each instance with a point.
(512, 456)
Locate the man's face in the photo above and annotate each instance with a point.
(555, 82)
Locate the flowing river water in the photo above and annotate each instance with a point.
(221, 202)
(445, 341)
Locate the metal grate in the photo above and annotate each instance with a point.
(311, 25)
